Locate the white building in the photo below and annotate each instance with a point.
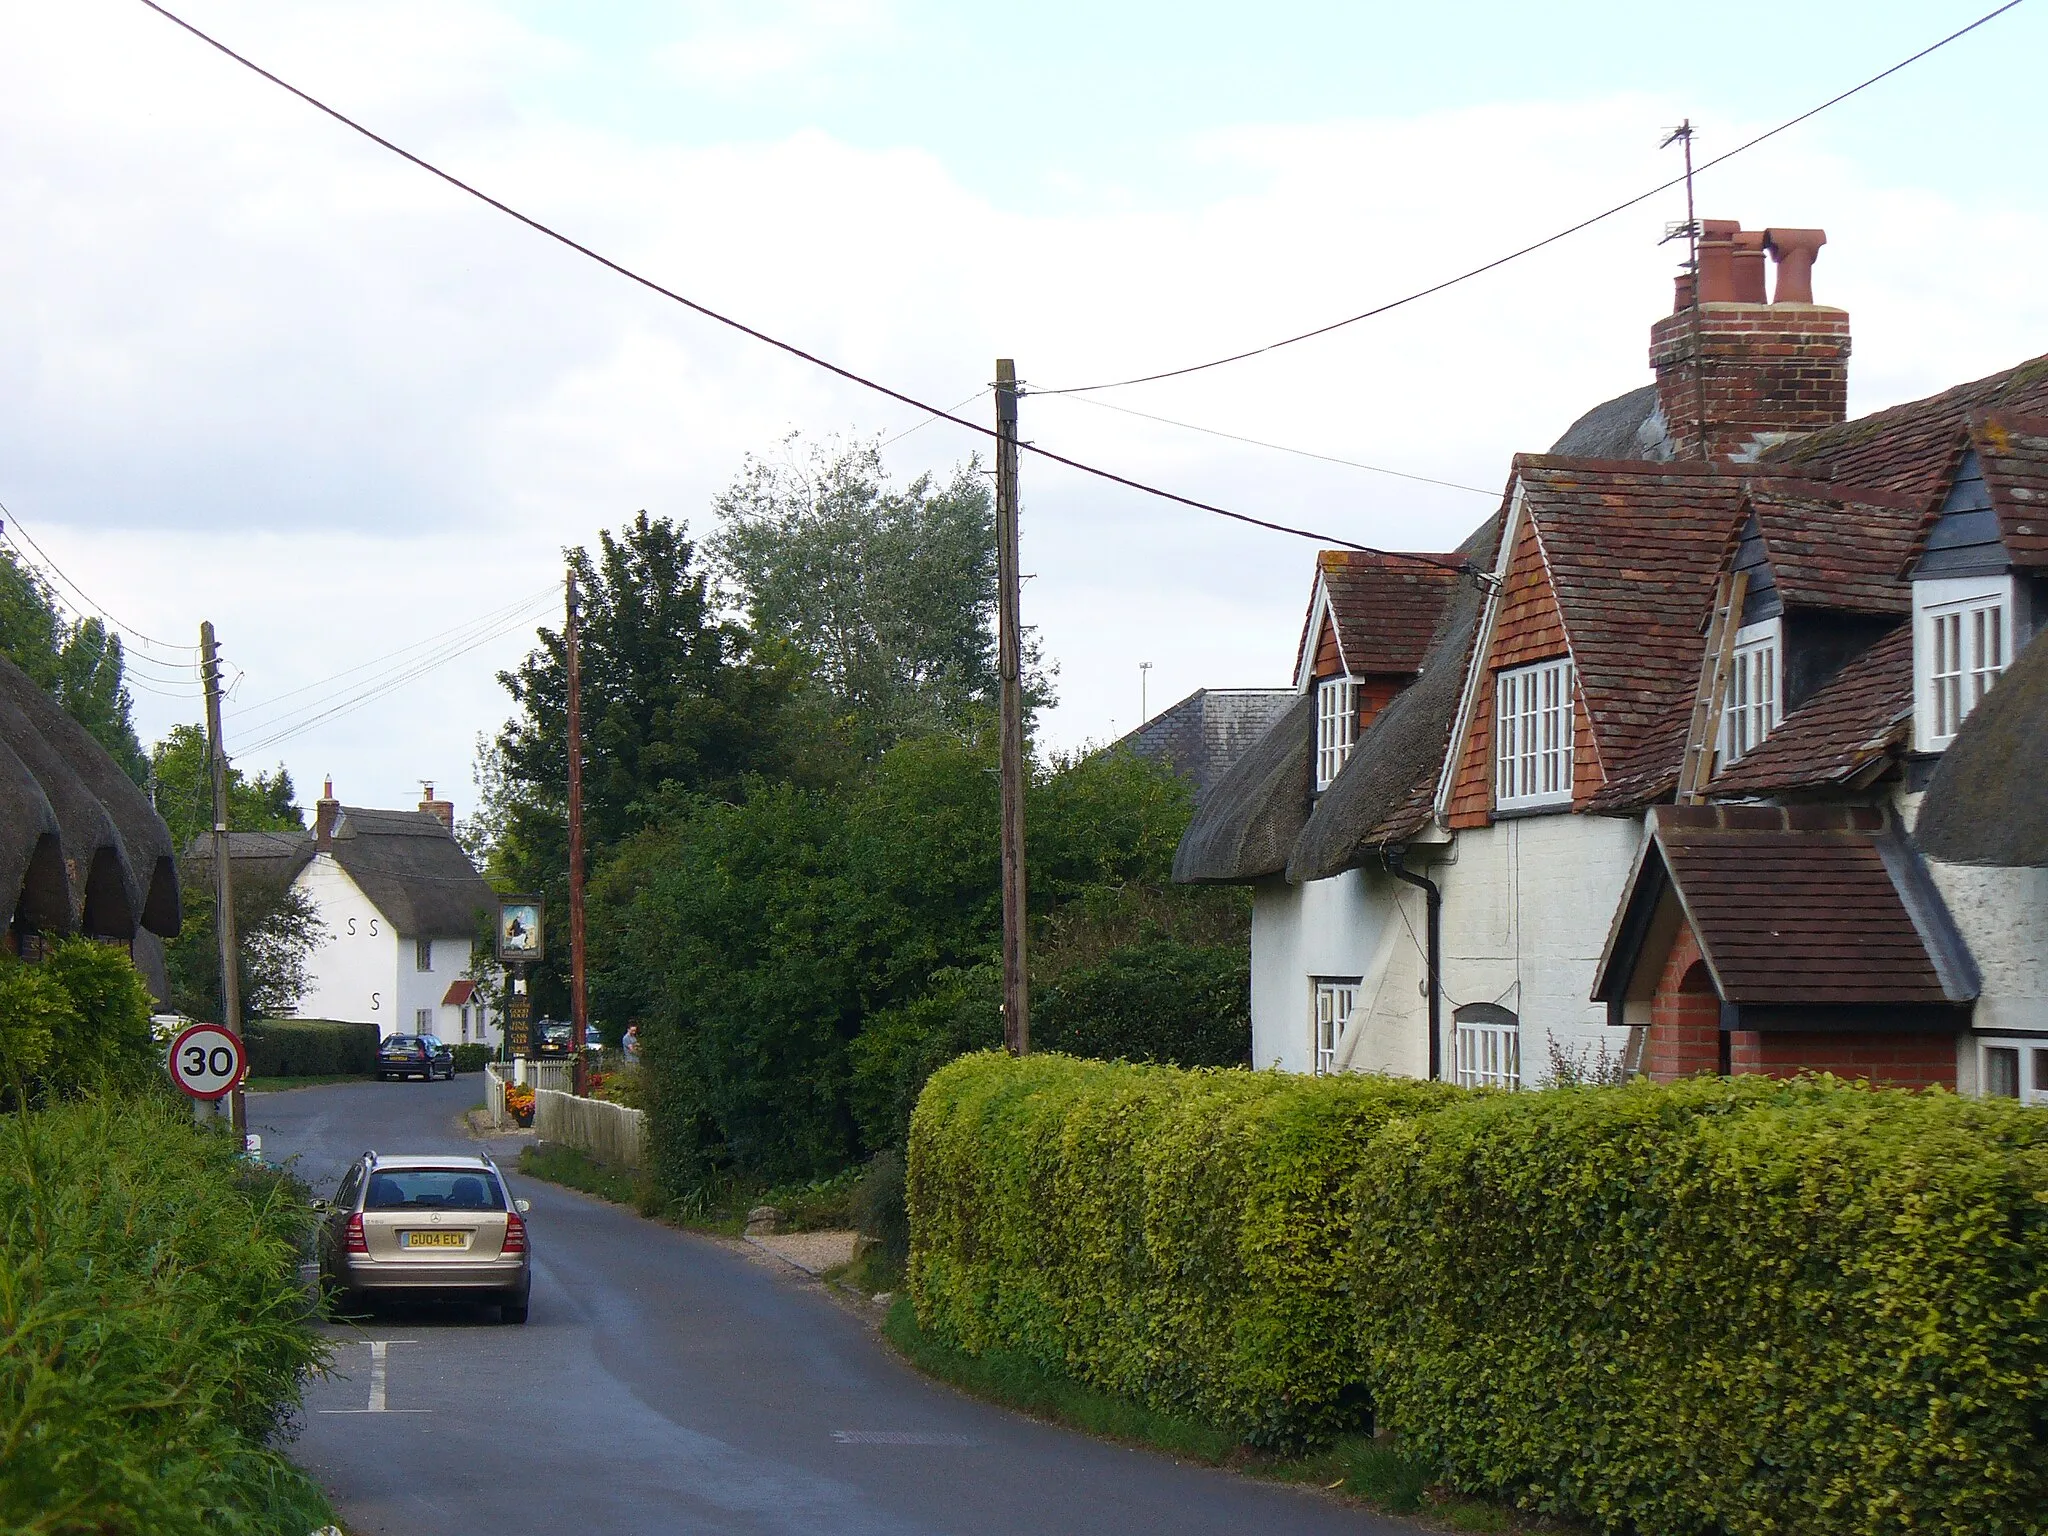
(401, 906)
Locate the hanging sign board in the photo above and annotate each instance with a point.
(519, 930)
(206, 1061)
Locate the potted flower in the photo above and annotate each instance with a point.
(519, 1104)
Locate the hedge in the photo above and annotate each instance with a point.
(471, 1057)
(309, 1047)
(153, 1328)
(1737, 1306)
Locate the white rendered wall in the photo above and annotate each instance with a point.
(1343, 926)
(353, 972)
(1527, 905)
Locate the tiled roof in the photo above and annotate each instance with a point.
(1386, 606)
(2013, 450)
(1857, 718)
(1648, 772)
(1808, 905)
(1838, 550)
(1909, 447)
(459, 992)
(1633, 550)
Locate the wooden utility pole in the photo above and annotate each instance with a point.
(1010, 662)
(223, 876)
(579, 1012)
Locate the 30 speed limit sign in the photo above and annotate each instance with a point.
(206, 1061)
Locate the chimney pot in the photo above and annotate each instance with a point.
(1747, 265)
(442, 811)
(326, 813)
(1795, 251)
(1717, 260)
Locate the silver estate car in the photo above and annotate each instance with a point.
(428, 1228)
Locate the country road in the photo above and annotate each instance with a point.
(667, 1383)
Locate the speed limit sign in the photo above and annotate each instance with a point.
(206, 1061)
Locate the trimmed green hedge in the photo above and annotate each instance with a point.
(153, 1327)
(309, 1047)
(471, 1057)
(1737, 1306)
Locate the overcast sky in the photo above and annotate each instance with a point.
(255, 370)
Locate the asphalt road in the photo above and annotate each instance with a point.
(668, 1383)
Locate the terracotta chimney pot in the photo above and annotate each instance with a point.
(1717, 260)
(1795, 251)
(1747, 263)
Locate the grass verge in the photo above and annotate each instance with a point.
(574, 1168)
(1377, 1472)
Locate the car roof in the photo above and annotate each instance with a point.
(387, 1162)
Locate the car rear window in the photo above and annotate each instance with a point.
(434, 1189)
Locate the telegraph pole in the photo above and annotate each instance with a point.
(1010, 662)
(579, 1013)
(223, 878)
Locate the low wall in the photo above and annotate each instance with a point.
(610, 1133)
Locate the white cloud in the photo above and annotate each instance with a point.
(255, 370)
(732, 48)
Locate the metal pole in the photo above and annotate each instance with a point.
(223, 877)
(579, 1012)
(1009, 659)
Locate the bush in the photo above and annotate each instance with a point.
(153, 1329)
(309, 1048)
(471, 1058)
(1182, 1238)
(1737, 1306)
(1178, 1004)
(880, 1213)
(77, 1020)
(901, 1047)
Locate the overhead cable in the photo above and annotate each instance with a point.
(11, 525)
(1530, 249)
(762, 336)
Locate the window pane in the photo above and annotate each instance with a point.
(2001, 1073)
(434, 1189)
(2040, 1071)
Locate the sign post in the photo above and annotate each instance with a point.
(521, 944)
(207, 1062)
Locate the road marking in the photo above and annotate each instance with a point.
(899, 1437)
(379, 1356)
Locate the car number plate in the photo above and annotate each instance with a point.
(433, 1239)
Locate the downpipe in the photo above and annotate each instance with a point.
(1395, 860)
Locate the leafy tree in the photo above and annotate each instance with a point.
(677, 704)
(181, 781)
(277, 929)
(81, 664)
(891, 592)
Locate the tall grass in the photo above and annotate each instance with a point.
(153, 1330)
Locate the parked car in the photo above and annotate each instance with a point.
(424, 1056)
(430, 1228)
(551, 1037)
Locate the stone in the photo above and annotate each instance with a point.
(763, 1221)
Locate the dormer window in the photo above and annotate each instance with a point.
(1336, 727)
(1754, 699)
(1533, 736)
(1961, 645)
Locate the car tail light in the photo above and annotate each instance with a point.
(357, 1242)
(515, 1233)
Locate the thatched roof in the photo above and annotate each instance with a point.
(80, 845)
(1988, 802)
(1246, 827)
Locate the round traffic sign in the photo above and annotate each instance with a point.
(206, 1061)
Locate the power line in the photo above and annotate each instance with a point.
(948, 414)
(11, 525)
(1304, 453)
(763, 337)
(1501, 261)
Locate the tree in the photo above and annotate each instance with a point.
(81, 665)
(677, 704)
(891, 593)
(181, 780)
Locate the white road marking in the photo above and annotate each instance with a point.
(900, 1437)
(379, 1357)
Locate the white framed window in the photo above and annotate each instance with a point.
(1489, 1053)
(423, 954)
(423, 1021)
(1533, 735)
(1754, 700)
(1336, 726)
(1961, 647)
(1336, 1000)
(2014, 1069)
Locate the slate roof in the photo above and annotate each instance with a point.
(1820, 906)
(1385, 792)
(1385, 607)
(78, 838)
(1836, 550)
(406, 862)
(1202, 735)
(2013, 451)
(1856, 720)
(1988, 800)
(1908, 448)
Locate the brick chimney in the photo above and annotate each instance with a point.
(441, 810)
(1767, 371)
(326, 812)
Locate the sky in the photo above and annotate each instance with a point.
(256, 371)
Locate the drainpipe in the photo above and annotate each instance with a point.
(1394, 859)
